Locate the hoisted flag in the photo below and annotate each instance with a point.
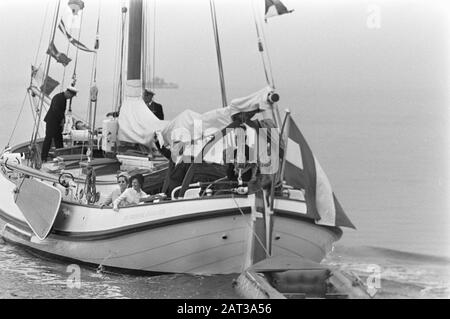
(58, 56)
(75, 42)
(303, 171)
(46, 85)
(274, 8)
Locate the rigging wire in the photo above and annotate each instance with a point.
(261, 47)
(74, 78)
(17, 120)
(92, 97)
(94, 90)
(65, 68)
(74, 75)
(258, 239)
(35, 63)
(47, 68)
(260, 44)
(33, 110)
(218, 51)
(42, 34)
(154, 47)
(265, 57)
(267, 52)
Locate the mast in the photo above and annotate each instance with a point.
(134, 49)
(122, 57)
(41, 104)
(219, 54)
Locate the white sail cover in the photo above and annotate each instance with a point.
(190, 125)
(185, 120)
(137, 124)
(252, 102)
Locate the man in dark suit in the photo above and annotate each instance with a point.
(54, 120)
(156, 108)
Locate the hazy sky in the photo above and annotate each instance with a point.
(321, 45)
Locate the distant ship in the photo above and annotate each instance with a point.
(160, 83)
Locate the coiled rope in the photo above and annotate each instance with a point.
(90, 190)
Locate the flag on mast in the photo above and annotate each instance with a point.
(58, 56)
(46, 84)
(75, 42)
(274, 8)
(303, 171)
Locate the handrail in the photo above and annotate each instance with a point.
(47, 176)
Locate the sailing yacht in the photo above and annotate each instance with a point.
(208, 223)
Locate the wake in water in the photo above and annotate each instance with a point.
(398, 274)
(402, 275)
(25, 275)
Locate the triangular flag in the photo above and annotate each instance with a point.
(303, 171)
(75, 42)
(274, 8)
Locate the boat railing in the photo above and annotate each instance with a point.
(205, 189)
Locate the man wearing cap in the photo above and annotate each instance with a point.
(54, 120)
(156, 108)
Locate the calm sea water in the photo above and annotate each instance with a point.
(385, 153)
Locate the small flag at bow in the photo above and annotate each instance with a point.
(274, 8)
(303, 171)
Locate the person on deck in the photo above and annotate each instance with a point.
(122, 180)
(241, 165)
(55, 121)
(177, 168)
(133, 195)
(247, 169)
(156, 108)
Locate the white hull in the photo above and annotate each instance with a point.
(198, 236)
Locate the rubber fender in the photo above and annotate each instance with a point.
(312, 282)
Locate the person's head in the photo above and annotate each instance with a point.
(148, 95)
(178, 147)
(80, 125)
(241, 134)
(122, 180)
(136, 182)
(70, 92)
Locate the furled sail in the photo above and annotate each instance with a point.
(137, 124)
(196, 130)
(206, 124)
